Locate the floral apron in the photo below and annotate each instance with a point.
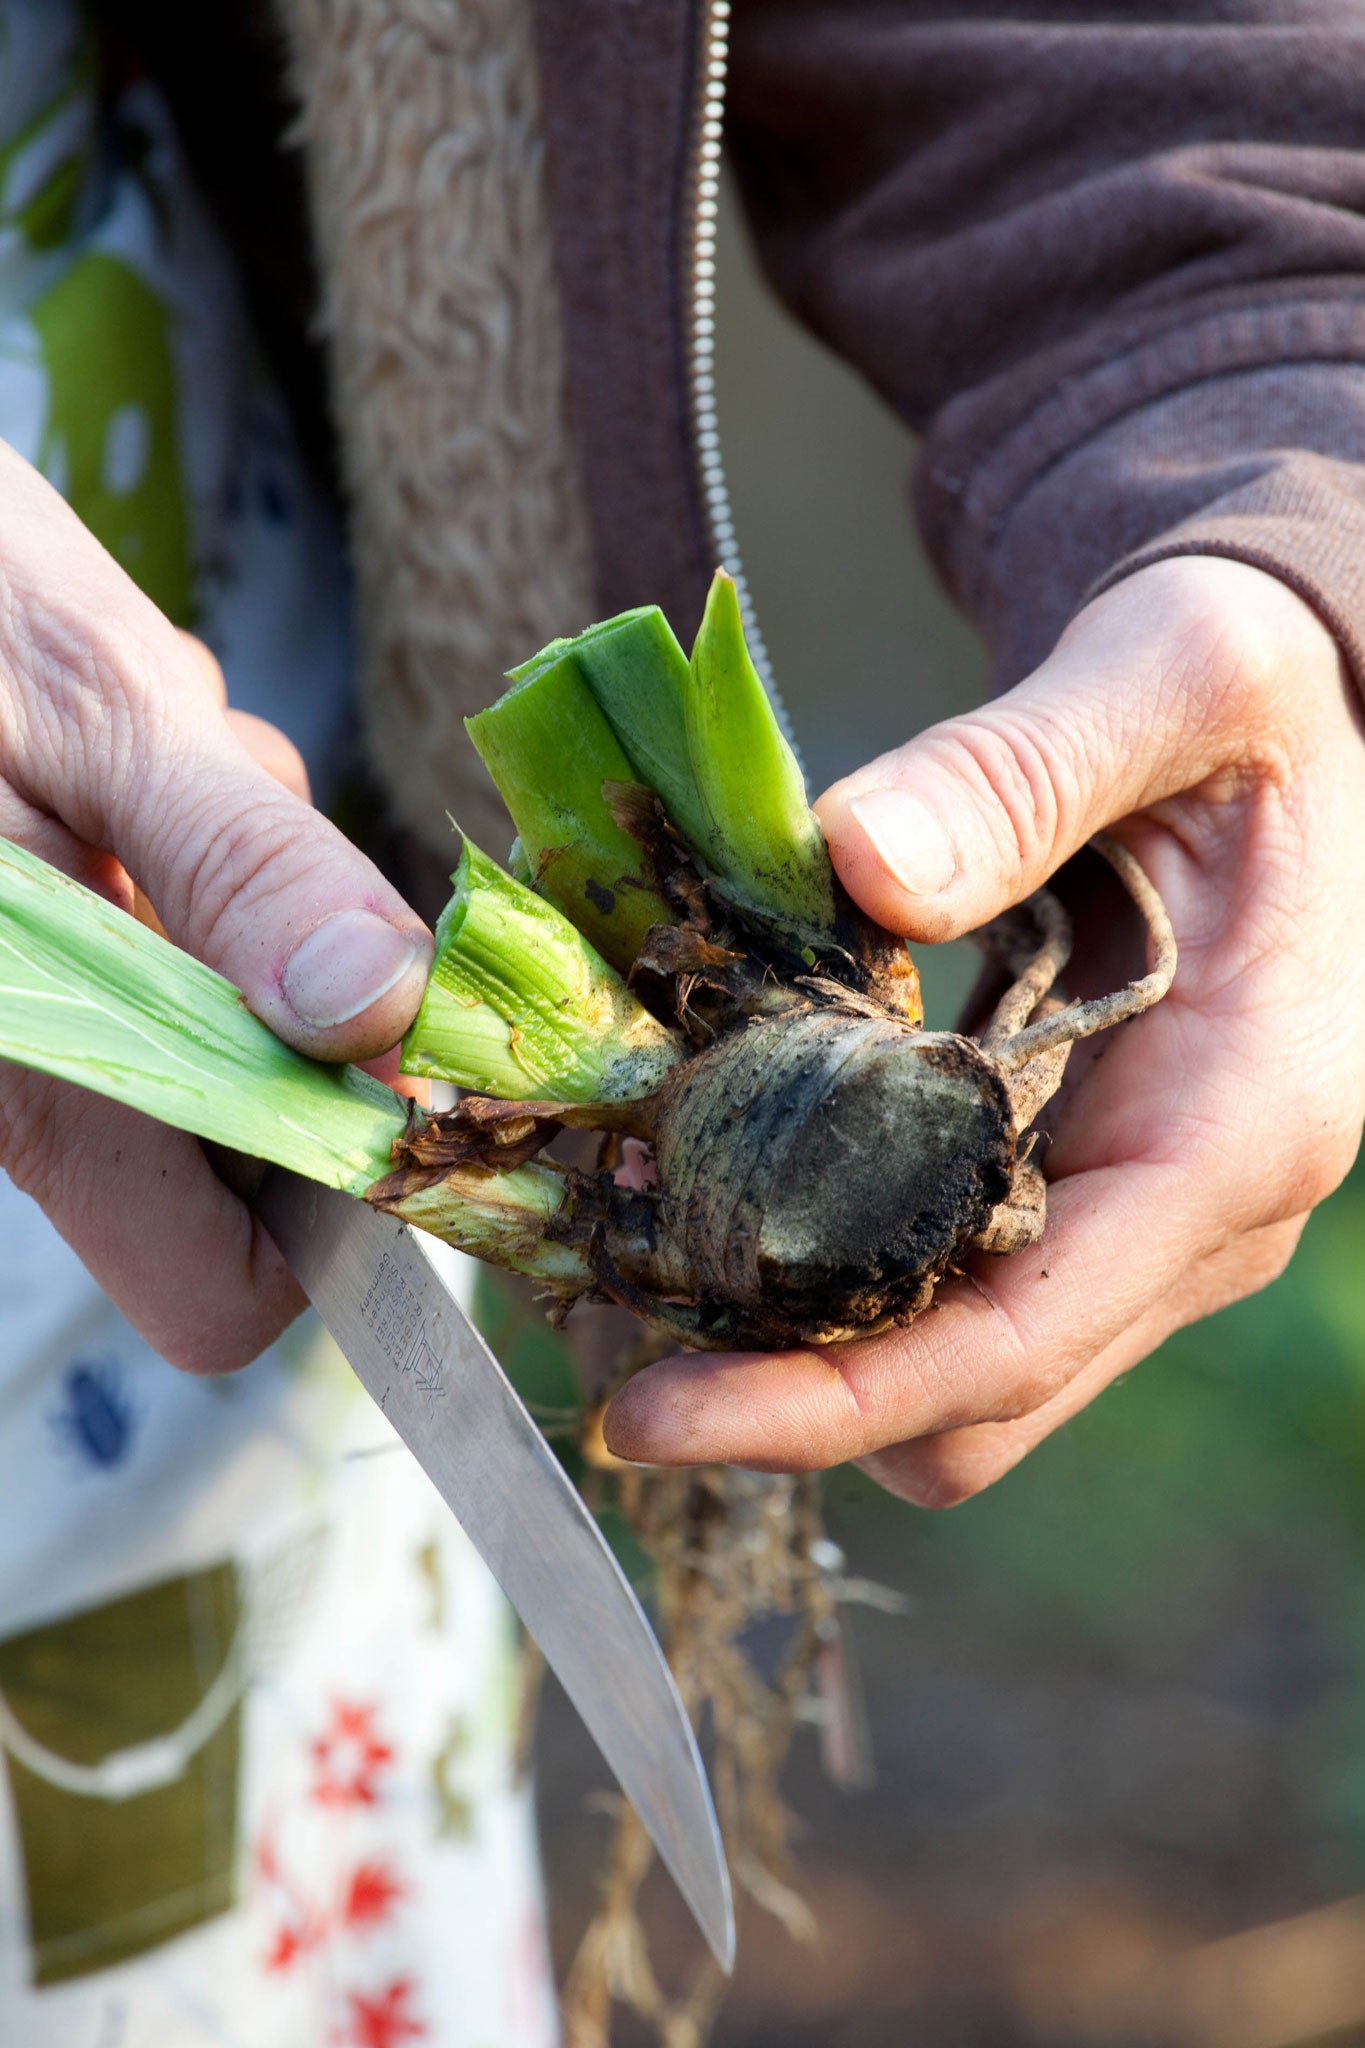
(257, 1694)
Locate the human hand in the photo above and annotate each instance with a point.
(1199, 712)
(119, 765)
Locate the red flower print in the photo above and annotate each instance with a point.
(385, 2021)
(370, 1896)
(292, 1942)
(347, 1757)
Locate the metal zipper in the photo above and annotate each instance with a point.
(701, 335)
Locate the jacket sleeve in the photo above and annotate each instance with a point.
(1109, 261)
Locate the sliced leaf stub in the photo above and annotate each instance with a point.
(756, 832)
(622, 703)
(510, 1218)
(520, 1003)
(550, 750)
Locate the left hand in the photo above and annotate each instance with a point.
(1200, 711)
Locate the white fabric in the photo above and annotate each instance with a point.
(387, 1882)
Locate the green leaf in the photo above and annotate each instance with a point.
(549, 749)
(763, 840)
(519, 1004)
(89, 995)
(637, 674)
(701, 734)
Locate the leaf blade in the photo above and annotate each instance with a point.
(88, 995)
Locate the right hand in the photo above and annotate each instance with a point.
(119, 766)
(1201, 709)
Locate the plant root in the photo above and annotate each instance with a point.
(1082, 1020)
(729, 1548)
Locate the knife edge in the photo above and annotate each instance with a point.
(387, 1294)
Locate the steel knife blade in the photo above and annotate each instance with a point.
(387, 1295)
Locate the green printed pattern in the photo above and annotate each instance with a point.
(109, 1879)
(110, 437)
(91, 320)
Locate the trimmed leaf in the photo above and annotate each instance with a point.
(549, 749)
(90, 995)
(519, 1004)
(764, 840)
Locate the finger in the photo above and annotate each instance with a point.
(60, 848)
(108, 727)
(268, 747)
(1155, 687)
(272, 750)
(204, 664)
(180, 1255)
(989, 1349)
(942, 1471)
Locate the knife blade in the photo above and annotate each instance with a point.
(387, 1295)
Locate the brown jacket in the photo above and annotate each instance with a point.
(1107, 259)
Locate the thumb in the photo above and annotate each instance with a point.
(249, 877)
(1151, 687)
(973, 814)
(111, 728)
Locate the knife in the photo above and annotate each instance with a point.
(387, 1294)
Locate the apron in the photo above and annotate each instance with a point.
(257, 1694)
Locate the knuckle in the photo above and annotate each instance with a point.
(1308, 1145)
(205, 663)
(286, 763)
(1255, 1262)
(939, 1472)
(86, 665)
(237, 863)
(1218, 640)
(1320, 1168)
(1219, 651)
(1232, 656)
(947, 1481)
(1039, 1385)
(1020, 774)
(1272, 1253)
(90, 718)
(1255, 1170)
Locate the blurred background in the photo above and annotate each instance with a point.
(1120, 1731)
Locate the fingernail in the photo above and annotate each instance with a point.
(345, 965)
(907, 839)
